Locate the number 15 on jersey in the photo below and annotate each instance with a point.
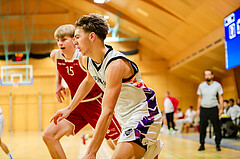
(70, 70)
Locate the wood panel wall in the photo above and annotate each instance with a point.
(229, 87)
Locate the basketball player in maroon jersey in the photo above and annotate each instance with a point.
(68, 63)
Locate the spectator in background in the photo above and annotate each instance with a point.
(233, 112)
(208, 108)
(238, 102)
(190, 115)
(225, 106)
(179, 114)
(188, 118)
(170, 106)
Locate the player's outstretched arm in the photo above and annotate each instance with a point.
(114, 75)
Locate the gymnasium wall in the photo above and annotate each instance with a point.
(25, 98)
(156, 76)
(229, 87)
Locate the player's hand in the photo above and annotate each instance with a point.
(60, 115)
(59, 94)
(89, 156)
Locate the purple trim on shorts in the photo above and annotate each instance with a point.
(146, 122)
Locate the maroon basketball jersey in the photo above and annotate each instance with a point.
(73, 74)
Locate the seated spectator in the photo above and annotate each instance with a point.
(179, 114)
(190, 115)
(188, 119)
(225, 107)
(238, 102)
(234, 112)
(224, 117)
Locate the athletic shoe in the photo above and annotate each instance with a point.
(201, 148)
(218, 148)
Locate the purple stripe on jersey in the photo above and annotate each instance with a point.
(153, 112)
(146, 122)
(148, 92)
(152, 102)
(138, 135)
(144, 125)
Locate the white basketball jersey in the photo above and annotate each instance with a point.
(134, 93)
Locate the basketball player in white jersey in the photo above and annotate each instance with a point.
(2, 145)
(125, 93)
(67, 60)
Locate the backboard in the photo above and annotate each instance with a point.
(16, 75)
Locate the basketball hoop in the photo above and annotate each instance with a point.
(16, 75)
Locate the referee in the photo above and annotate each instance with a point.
(209, 92)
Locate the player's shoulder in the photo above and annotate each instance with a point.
(117, 63)
(53, 53)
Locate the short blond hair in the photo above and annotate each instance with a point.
(64, 30)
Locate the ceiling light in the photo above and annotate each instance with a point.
(101, 1)
(144, 13)
(106, 16)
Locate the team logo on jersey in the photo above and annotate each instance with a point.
(99, 80)
(108, 131)
(59, 63)
(128, 132)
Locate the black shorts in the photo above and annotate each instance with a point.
(140, 143)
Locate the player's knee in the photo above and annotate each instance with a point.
(47, 136)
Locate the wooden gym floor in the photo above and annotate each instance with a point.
(29, 145)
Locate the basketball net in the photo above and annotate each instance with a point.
(15, 83)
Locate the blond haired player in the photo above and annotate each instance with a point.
(68, 63)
